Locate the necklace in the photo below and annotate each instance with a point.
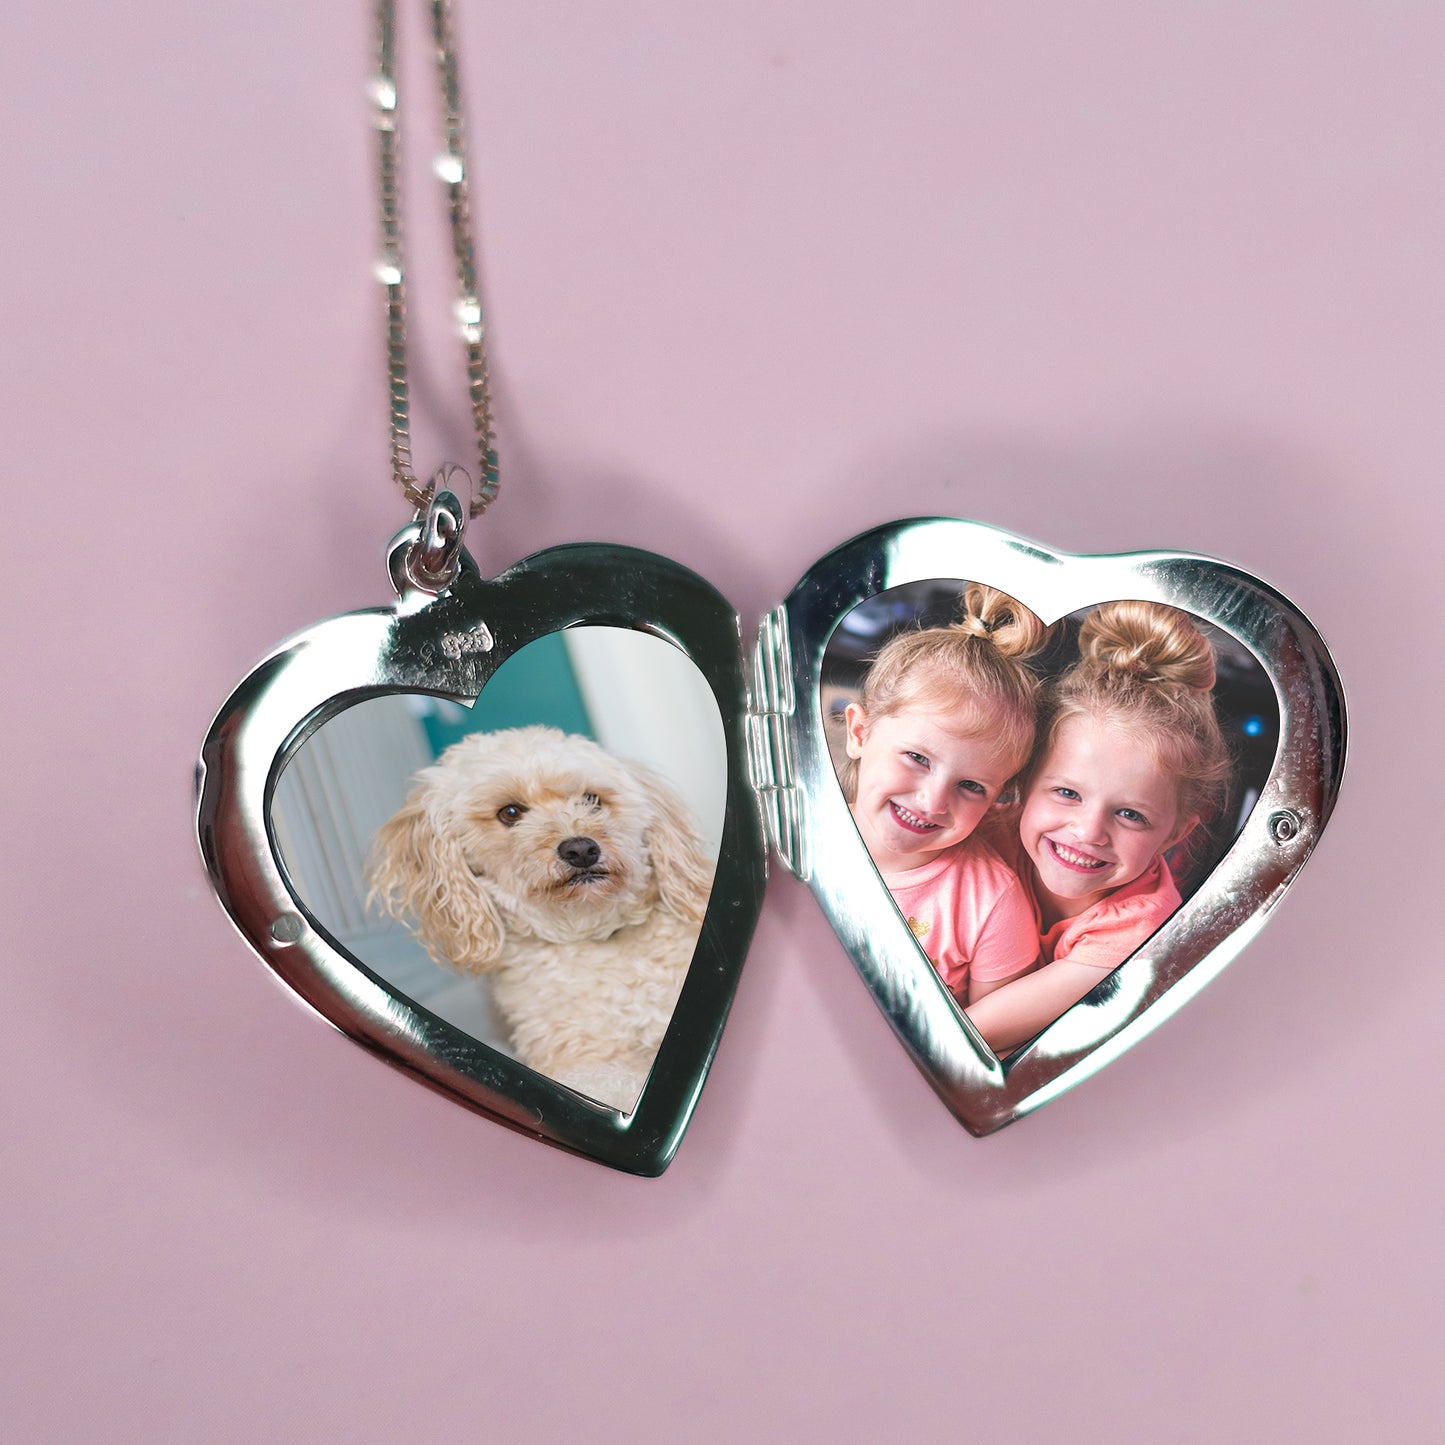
(539, 900)
(451, 169)
(510, 833)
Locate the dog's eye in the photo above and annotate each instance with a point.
(511, 814)
(592, 800)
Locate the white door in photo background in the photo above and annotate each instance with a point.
(648, 702)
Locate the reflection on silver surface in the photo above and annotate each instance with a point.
(812, 829)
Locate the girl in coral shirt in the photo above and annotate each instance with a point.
(1131, 759)
(945, 722)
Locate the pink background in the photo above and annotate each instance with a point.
(760, 275)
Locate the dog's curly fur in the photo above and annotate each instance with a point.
(575, 879)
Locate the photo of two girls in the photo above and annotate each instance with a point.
(1037, 799)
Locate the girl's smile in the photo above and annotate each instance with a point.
(906, 819)
(1074, 858)
(922, 787)
(1099, 811)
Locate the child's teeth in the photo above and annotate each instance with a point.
(912, 819)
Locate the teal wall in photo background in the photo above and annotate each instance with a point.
(535, 685)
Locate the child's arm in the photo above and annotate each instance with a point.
(1007, 945)
(1013, 1012)
(981, 987)
(1012, 1015)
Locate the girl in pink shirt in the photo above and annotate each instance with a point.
(944, 723)
(1130, 760)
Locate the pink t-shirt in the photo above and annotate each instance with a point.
(1106, 934)
(970, 915)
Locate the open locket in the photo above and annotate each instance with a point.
(406, 810)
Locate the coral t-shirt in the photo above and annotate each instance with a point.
(1106, 934)
(970, 915)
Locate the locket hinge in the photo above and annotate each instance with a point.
(771, 704)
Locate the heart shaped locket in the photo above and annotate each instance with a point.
(509, 833)
(1272, 692)
(533, 909)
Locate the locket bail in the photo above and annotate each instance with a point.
(426, 555)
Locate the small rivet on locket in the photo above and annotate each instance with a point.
(1284, 826)
(287, 928)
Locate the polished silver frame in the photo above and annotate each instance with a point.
(813, 832)
(448, 643)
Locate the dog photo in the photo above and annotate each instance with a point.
(534, 869)
(1039, 799)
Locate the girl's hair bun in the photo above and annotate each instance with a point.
(974, 668)
(996, 617)
(1146, 671)
(1148, 642)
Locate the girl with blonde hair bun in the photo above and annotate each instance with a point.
(1130, 761)
(944, 724)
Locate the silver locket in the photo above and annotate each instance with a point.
(445, 638)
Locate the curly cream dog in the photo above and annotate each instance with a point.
(573, 878)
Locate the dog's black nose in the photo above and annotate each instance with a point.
(578, 852)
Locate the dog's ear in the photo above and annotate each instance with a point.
(418, 876)
(682, 870)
